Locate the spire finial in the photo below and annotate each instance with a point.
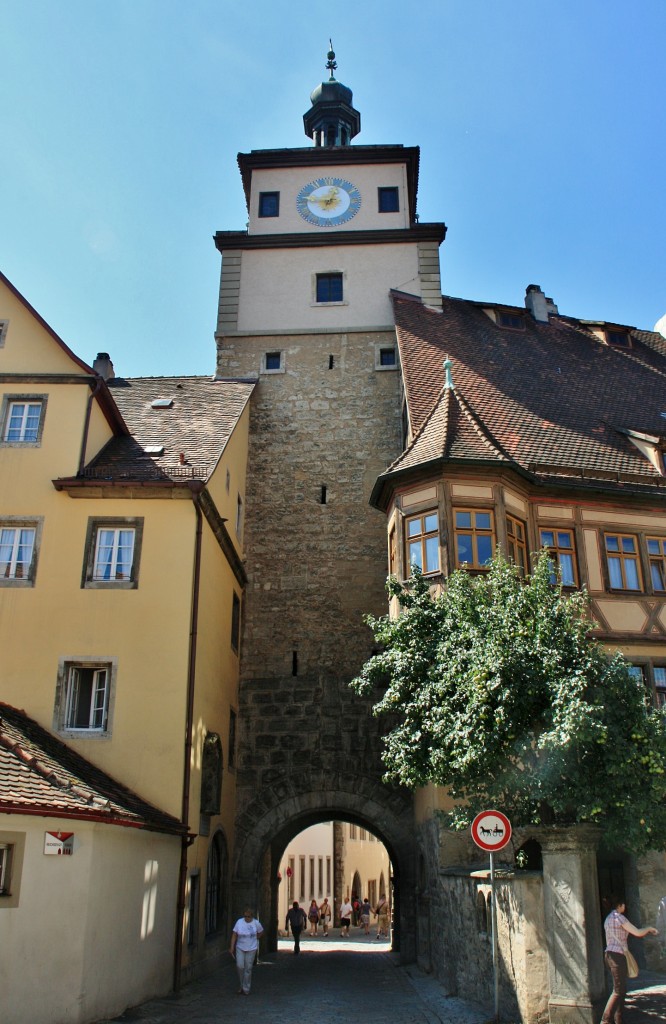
(448, 379)
(330, 63)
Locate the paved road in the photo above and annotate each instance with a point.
(331, 981)
(334, 981)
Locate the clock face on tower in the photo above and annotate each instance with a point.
(327, 202)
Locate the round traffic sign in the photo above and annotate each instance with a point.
(491, 830)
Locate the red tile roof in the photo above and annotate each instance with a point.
(198, 423)
(552, 400)
(39, 774)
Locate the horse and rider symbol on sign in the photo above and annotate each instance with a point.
(491, 830)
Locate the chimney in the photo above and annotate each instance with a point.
(537, 303)
(103, 365)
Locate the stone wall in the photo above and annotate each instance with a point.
(322, 429)
(651, 879)
(454, 926)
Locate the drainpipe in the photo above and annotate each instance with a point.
(187, 840)
(86, 424)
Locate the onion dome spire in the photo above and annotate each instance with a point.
(332, 120)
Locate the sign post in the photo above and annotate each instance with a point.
(491, 831)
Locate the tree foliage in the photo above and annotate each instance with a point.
(496, 690)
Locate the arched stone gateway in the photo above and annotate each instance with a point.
(267, 825)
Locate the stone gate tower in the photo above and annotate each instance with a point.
(305, 309)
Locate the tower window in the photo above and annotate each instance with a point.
(386, 357)
(329, 287)
(272, 362)
(269, 204)
(389, 200)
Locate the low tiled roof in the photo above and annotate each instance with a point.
(197, 421)
(552, 399)
(39, 774)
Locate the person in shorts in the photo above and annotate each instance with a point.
(346, 911)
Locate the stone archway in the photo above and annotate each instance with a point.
(272, 819)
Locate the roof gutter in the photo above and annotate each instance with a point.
(105, 819)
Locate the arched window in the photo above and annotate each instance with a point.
(216, 877)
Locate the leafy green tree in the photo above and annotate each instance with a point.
(496, 691)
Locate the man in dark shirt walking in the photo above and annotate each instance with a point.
(296, 920)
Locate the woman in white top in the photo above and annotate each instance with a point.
(244, 946)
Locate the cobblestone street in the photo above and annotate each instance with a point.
(340, 981)
(336, 981)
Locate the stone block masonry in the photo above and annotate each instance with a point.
(321, 431)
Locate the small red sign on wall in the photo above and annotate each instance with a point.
(58, 843)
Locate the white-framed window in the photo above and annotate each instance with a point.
(4, 324)
(18, 551)
(112, 553)
(22, 419)
(114, 550)
(87, 698)
(84, 696)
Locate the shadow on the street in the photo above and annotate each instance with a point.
(646, 1001)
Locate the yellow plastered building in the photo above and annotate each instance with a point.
(121, 586)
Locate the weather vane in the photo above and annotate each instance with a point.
(330, 63)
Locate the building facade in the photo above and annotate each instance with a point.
(115, 497)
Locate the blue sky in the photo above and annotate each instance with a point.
(541, 127)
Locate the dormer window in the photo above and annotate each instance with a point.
(618, 338)
(514, 321)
